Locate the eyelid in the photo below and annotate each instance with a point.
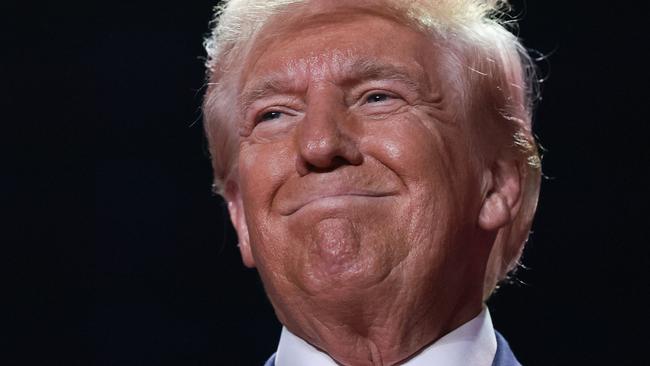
(379, 92)
(393, 88)
(287, 104)
(363, 97)
(261, 116)
(278, 109)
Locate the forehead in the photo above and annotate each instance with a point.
(333, 44)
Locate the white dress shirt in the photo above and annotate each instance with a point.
(473, 343)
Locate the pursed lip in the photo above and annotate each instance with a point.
(350, 184)
(294, 206)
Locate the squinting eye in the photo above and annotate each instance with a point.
(377, 97)
(270, 115)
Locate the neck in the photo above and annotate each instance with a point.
(360, 333)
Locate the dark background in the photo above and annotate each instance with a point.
(131, 259)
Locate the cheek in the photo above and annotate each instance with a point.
(262, 169)
(430, 157)
(417, 151)
(262, 166)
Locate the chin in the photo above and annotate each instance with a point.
(341, 281)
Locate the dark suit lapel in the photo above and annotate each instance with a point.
(270, 361)
(504, 355)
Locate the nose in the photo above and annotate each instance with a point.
(326, 140)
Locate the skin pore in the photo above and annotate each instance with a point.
(359, 198)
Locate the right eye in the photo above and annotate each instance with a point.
(268, 116)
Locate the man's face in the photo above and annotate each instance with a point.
(356, 173)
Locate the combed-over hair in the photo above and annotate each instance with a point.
(497, 75)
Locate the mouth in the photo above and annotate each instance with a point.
(331, 200)
(345, 189)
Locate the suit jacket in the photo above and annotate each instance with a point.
(503, 356)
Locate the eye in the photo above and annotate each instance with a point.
(268, 116)
(377, 98)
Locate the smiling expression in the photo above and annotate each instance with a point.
(356, 172)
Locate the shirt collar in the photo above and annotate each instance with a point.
(473, 343)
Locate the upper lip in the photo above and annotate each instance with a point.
(297, 205)
(294, 196)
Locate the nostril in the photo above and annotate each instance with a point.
(335, 163)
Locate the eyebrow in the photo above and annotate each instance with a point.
(275, 83)
(368, 69)
(355, 73)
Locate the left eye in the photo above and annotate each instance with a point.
(377, 97)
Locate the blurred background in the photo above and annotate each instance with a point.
(131, 259)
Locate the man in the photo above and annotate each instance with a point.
(379, 169)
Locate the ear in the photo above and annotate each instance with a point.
(502, 184)
(238, 219)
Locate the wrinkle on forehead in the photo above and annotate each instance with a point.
(338, 66)
(318, 67)
(311, 19)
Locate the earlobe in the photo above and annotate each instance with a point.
(501, 203)
(238, 219)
